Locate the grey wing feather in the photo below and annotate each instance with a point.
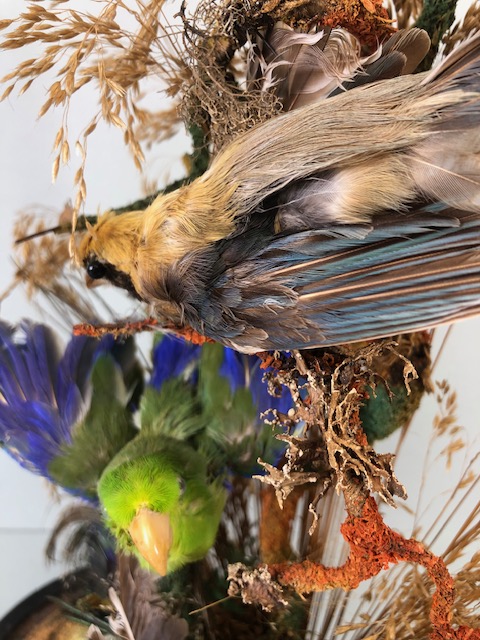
(321, 288)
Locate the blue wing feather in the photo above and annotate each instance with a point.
(317, 288)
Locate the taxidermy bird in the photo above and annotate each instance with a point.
(164, 493)
(72, 418)
(350, 218)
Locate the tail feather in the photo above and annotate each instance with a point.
(401, 55)
(301, 68)
(413, 43)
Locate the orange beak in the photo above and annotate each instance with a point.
(152, 535)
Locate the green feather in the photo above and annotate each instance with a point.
(98, 437)
(173, 410)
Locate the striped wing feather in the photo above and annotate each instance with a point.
(315, 289)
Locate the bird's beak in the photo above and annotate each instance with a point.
(152, 535)
(91, 283)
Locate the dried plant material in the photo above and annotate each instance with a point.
(129, 328)
(42, 268)
(84, 48)
(393, 403)
(284, 480)
(202, 68)
(328, 390)
(406, 12)
(398, 604)
(129, 49)
(402, 601)
(255, 586)
(373, 547)
(160, 126)
(436, 19)
(366, 19)
(238, 538)
(460, 32)
(445, 421)
(211, 97)
(467, 585)
(116, 329)
(48, 256)
(217, 43)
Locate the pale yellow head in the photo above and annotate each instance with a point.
(132, 250)
(114, 240)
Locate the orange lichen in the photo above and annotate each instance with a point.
(190, 334)
(373, 547)
(116, 329)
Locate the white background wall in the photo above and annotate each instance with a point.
(28, 509)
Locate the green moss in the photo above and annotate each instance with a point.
(436, 18)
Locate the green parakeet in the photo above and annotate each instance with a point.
(165, 491)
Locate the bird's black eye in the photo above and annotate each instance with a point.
(96, 269)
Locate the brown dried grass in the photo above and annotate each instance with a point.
(121, 47)
(42, 269)
(460, 32)
(79, 49)
(406, 12)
